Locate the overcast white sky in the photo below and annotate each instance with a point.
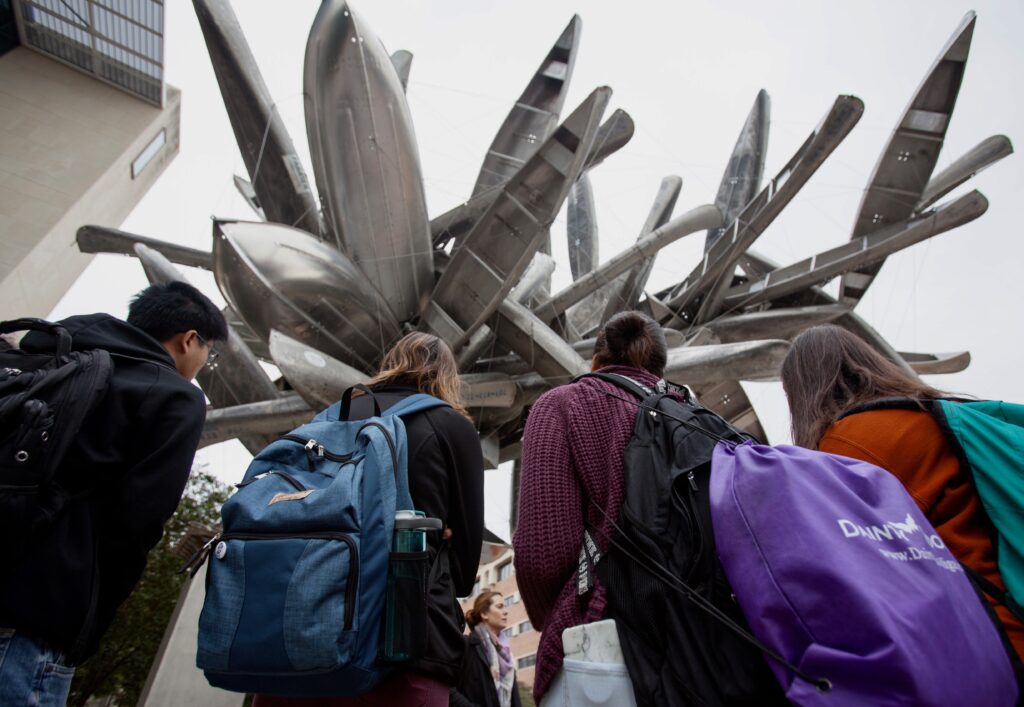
(688, 74)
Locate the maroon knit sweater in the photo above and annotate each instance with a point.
(572, 449)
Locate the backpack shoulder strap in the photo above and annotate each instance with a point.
(418, 402)
(415, 403)
(932, 405)
(893, 403)
(623, 382)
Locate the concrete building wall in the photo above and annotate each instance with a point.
(67, 143)
(174, 680)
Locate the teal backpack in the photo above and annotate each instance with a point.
(988, 437)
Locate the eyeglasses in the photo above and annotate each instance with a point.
(212, 357)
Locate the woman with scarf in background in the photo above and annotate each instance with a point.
(488, 677)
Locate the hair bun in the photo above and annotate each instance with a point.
(631, 338)
(632, 326)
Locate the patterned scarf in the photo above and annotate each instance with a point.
(498, 656)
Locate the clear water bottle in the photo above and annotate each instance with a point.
(410, 534)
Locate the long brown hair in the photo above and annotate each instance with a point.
(481, 605)
(632, 338)
(828, 371)
(426, 363)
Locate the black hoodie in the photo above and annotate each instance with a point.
(126, 472)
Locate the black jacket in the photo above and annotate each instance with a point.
(476, 686)
(445, 481)
(125, 473)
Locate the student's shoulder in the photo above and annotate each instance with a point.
(449, 419)
(885, 424)
(886, 434)
(584, 389)
(168, 387)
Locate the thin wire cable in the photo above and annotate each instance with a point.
(661, 572)
(263, 143)
(665, 574)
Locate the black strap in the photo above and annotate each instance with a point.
(692, 426)
(623, 382)
(993, 591)
(900, 403)
(33, 324)
(587, 559)
(346, 401)
(663, 574)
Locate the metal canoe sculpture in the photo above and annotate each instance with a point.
(276, 176)
(534, 115)
(907, 162)
(281, 278)
(743, 173)
(365, 158)
(629, 287)
(322, 286)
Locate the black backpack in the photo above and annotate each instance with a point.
(683, 636)
(44, 398)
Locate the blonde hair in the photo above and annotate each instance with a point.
(426, 363)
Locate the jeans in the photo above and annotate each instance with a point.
(30, 673)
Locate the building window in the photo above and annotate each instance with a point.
(526, 662)
(511, 599)
(505, 571)
(147, 155)
(476, 588)
(525, 626)
(507, 632)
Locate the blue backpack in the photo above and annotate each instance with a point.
(296, 585)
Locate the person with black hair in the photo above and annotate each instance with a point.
(183, 320)
(573, 447)
(119, 482)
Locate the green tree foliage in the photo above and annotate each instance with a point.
(127, 650)
(525, 695)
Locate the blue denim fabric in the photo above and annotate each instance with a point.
(30, 673)
(316, 599)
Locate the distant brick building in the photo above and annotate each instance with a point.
(497, 573)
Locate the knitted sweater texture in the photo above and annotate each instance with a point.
(571, 469)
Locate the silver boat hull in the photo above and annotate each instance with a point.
(281, 278)
(278, 178)
(743, 173)
(534, 115)
(907, 162)
(365, 158)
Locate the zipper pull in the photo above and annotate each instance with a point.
(242, 484)
(320, 450)
(693, 482)
(199, 557)
(311, 454)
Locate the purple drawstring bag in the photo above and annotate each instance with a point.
(836, 569)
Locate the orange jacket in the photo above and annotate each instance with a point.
(911, 445)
